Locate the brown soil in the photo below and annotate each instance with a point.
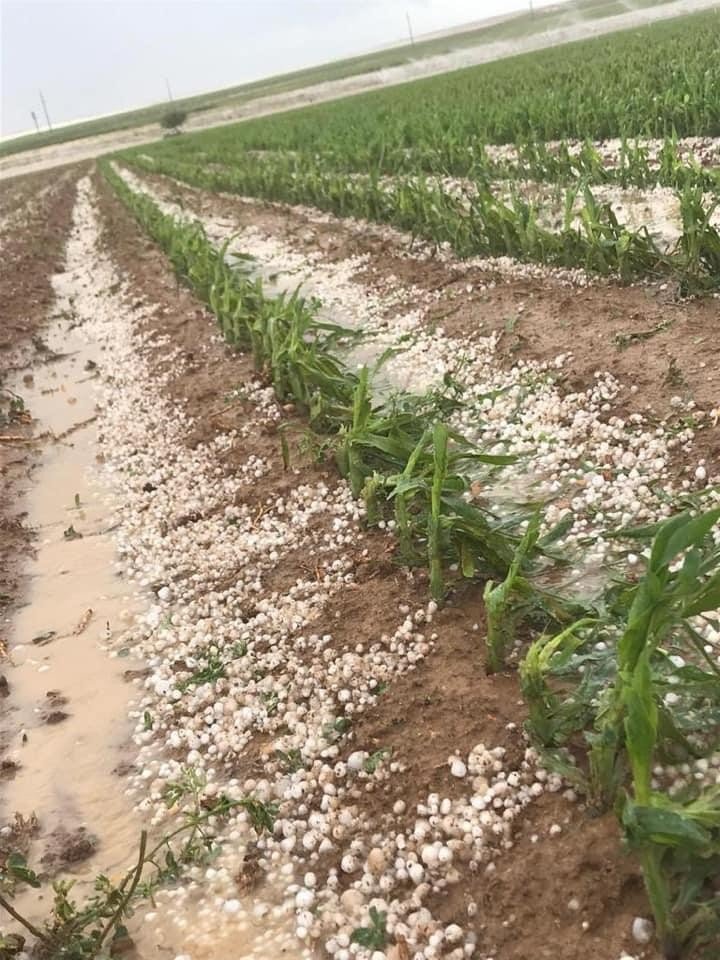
(66, 847)
(542, 892)
(448, 703)
(640, 334)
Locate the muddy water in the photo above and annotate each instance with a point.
(67, 641)
(69, 697)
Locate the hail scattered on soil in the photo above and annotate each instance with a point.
(703, 150)
(655, 208)
(577, 454)
(231, 663)
(503, 267)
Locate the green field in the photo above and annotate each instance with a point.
(378, 156)
(517, 26)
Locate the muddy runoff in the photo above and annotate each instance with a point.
(70, 670)
(69, 692)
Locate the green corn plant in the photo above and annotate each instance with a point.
(502, 609)
(553, 718)
(434, 536)
(349, 454)
(699, 243)
(661, 603)
(677, 842)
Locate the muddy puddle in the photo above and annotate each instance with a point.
(71, 683)
(69, 729)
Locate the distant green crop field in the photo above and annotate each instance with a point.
(369, 156)
(521, 25)
(653, 81)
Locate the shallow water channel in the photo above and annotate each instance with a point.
(69, 696)
(71, 682)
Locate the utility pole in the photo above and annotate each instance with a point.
(44, 106)
(169, 91)
(34, 116)
(412, 38)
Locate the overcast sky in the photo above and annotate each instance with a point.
(97, 56)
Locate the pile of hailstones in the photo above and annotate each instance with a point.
(330, 858)
(288, 678)
(607, 470)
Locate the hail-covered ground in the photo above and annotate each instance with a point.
(230, 661)
(248, 691)
(577, 455)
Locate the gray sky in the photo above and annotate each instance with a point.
(98, 56)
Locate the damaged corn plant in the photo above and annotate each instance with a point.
(622, 695)
(624, 700)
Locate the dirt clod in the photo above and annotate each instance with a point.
(66, 847)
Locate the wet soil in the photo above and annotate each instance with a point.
(448, 704)
(31, 255)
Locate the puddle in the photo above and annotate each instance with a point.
(69, 698)
(67, 641)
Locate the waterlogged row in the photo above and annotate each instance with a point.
(477, 222)
(634, 674)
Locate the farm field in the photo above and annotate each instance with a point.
(430, 55)
(360, 530)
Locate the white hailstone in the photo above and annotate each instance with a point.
(348, 864)
(701, 473)
(457, 767)
(643, 930)
(429, 854)
(164, 593)
(453, 933)
(351, 901)
(356, 760)
(416, 873)
(304, 899)
(231, 907)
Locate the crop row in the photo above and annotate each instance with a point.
(477, 222)
(624, 692)
(636, 162)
